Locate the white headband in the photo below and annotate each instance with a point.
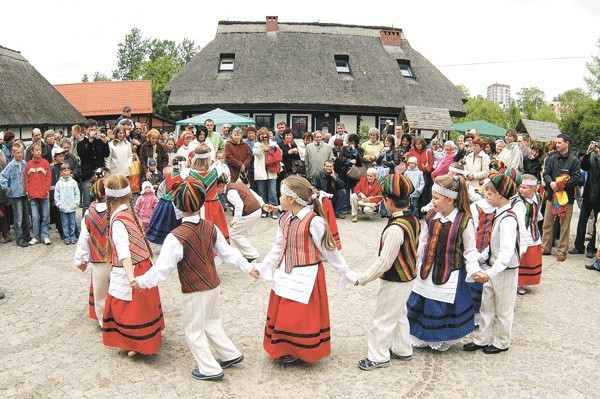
(446, 192)
(117, 193)
(202, 156)
(456, 170)
(529, 182)
(285, 190)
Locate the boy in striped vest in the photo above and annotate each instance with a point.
(189, 249)
(396, 266)
(92, 247)
(500, 277)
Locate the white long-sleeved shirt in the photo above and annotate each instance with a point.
(393, 238)
(171, 254)
(82, 251)
(234, 199)
(508, 233)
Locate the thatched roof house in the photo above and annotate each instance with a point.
(28, 100)
(311, 75)
(537, 130)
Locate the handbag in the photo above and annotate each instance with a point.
(356, 172)
(298, 167)
(243, 177)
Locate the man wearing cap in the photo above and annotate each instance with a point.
(125, 115)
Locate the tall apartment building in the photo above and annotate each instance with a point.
(500, 94)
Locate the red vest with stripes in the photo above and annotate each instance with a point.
(251, 204)
(97, 225)
(137, 244)
(484, 229)
(197, 271)
(404, 268)
(300, 249)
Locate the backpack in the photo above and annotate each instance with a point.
(274, 158)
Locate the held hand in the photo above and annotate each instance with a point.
(82, 266)
(135, 285)
(231, 223)
(553, 186)
(148, 174)
(254, 273)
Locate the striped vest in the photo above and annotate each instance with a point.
(484, 230)
(251, 204)
(197, 271)
(209, 179)
(405, 266)
(532, 209)
(495, 240)
(444, 251)
(137, 244)
(97, 225)
(300, 249)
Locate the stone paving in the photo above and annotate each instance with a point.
(49, 348)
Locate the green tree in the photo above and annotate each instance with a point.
(160, 71)
(593, 81)
(480, 108)
(571, 98)
(529, 100)
(545, 114)
(85, 78)
(100, 77)
(464, 90)
(582, 123)
(130, 55)
(513, 115)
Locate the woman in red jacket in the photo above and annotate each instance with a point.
(237, 155)
(425, 164)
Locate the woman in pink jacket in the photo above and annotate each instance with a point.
(145, 204)
(442, 167)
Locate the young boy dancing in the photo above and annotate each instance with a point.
(189, 249)
(501, 275)
(396, 266)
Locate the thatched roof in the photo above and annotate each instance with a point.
(537, 130)
(294, 68)
(428, 118)
(27, 98)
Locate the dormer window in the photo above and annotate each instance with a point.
(227, 61)
(342, 65)
(405, 69)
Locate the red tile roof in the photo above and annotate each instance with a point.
(109, 98)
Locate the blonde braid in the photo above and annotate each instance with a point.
(108, 258)
(327, 241)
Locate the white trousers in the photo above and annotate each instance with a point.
(498, 305)
(390, 322)
(368, 207)
(238, 234)
(202, 326)
(100, 283)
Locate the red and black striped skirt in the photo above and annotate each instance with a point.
(297, 329)
(92, 303)
(530, 271)
(134, 325)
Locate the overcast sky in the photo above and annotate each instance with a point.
(64, 39)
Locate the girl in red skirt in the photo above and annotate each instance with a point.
(297, 324)
(530, 270)
(201, 170)
(132, 320)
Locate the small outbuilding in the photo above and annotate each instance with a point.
(538, 130)
(28, 100)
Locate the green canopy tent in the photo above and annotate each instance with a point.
(484, 128)
(220, 117)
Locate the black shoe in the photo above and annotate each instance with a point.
(199, 376)
(576, 251)
(1, 295)
(590, 254)
(23, 244)
(591, 267)
(250, 260)
(492, 350)
(227, 363)
(472, 347)
(399, 357)
(340, 216)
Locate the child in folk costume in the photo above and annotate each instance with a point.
(297, 325)
(189, 249)
(92, 248)
(146, 204)
(247, 210)
(501, 275)
(165, 217)
(396, 267)
(457, 169)
(133, 321)
(201, 170)
(440, 309)
(530, 270)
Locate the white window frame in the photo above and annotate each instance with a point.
(342, 69)
(405, 69)
(226, 64)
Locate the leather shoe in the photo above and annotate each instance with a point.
(199, 376)
(561, 257)
(492, 350)
(576, 251)
(472, 346)
(591, 267)
(228, 363)
(590, 254)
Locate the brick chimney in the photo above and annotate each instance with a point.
(272, 25)
(390, 37)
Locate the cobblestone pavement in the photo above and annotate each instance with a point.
(49, 348)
